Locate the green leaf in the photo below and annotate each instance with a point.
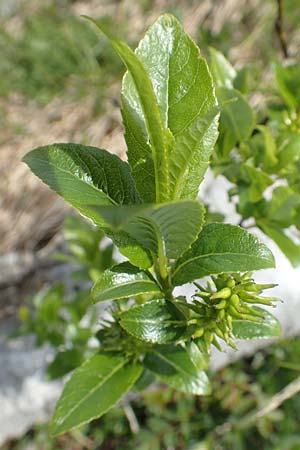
(237, 119)
(244, 329)
(144, 381)
(289, 150)
(287, 79)
(241, 81)
(159, 136)
(156, 322)
(84, 176)
(174, 367)
(198, 354)
(257, 181)
(185, 94)
(130, 248)
(290, 249)
(166, 230)
(284, 206)
(222, 248)
(138, 150)
(270, 159)
(64, 362)
(191, 154)
(89, 176)
(93, 389)
(123, 281)
(223, 72)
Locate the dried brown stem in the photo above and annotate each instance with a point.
(280, 29)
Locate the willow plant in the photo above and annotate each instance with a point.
(148, 206)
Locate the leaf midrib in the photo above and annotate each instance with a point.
(161, 246)
(152, 283)
(59, 169)
(216, 254)
(101, 383)
(152, 321)
(171, 363)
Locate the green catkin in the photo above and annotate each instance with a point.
(223, 293)
(230, 283)
(235, 300)
(221, 305)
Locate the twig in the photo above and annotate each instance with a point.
(288, 392)
(279, 29)
(132, 420)
(250, 419)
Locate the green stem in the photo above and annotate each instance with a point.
(163, 276)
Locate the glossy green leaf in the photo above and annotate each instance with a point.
(185, 94)
(244, 329)
(290, 249)
(156, 322)
(159, 136)
(166, 230)
(93, 389)
(123, 281)
(138, 150)
(174, 367)
(222, 248)
(191, 155)
(84, 176)
(89, 176)
(223, 72)
(198, 354)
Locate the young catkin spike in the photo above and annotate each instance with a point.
(231, 283)
(235, 301)
(217, 344)
(220, 333)
(221, 305)
(229, 320)
(248, 310)
(221, 314)
(223, 293)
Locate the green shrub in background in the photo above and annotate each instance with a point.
(66, 320)
(260, 155)
(55, 52)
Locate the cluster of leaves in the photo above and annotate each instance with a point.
(260, 155)
(169, 419)
(65, 320)
(149, 208)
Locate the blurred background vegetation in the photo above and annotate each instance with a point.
(57, 80)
